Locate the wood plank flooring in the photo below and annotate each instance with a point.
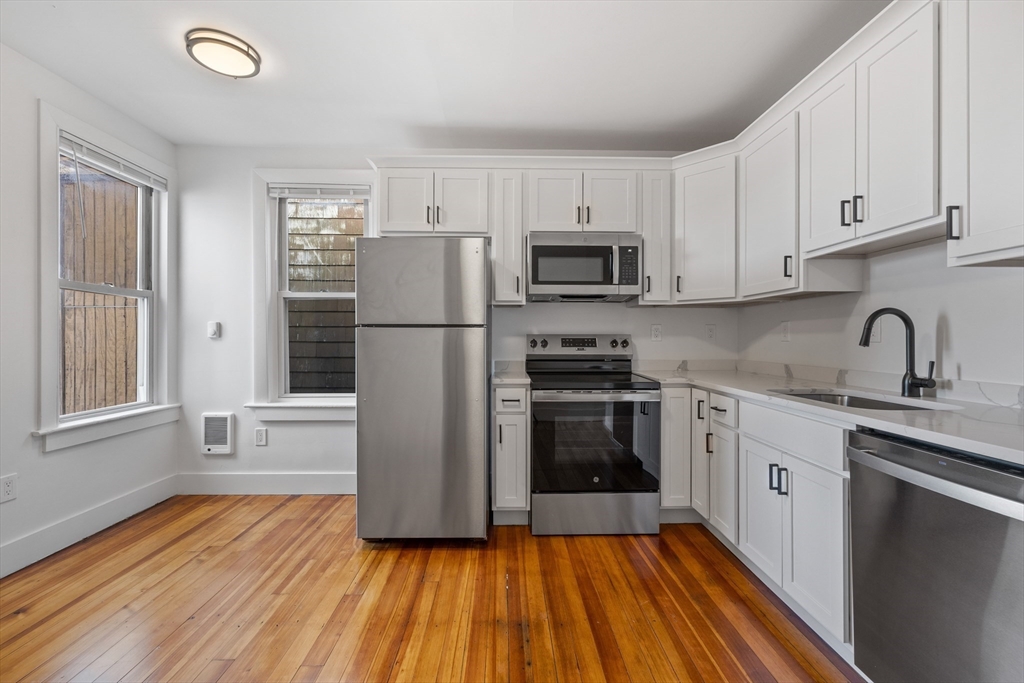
(278, 588)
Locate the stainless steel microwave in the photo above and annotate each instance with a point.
(574, 266)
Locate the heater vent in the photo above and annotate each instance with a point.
(217, 433)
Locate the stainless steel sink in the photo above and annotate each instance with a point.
(851, 401)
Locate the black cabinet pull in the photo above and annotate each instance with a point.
(949, 222)
(679, 279)
(437, 215)
(843, 205)
(779, 489)
(577, 214)
(428, 214)
(648, 284)
(771, 477)
(588, 215)
(719, 410)
(517, 284)
(787, 266)
(707, 444)
(499, 433)
(700, 404)
(857, 216)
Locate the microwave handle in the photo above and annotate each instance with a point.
(615, 264)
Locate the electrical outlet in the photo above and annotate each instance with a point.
(876, 332)
(785, 330)
(261, 436)
(709, 332)
(8, 488)
(655, 332)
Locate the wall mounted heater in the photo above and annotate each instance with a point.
(217, 433)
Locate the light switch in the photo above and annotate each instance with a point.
(213, 330)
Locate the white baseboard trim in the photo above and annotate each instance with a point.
(266, 483)
(32, 547)
(680, 516)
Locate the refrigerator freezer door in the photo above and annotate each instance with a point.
(421, 432)
(422, 281)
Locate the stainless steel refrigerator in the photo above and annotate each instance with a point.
(422, 374)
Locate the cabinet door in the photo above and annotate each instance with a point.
(760, 520)
(983, 126)
(510, 475)
(700, 475)
(675, 448)
(406, 200)
(814, 541)
(609, 201)
(705, 231)
(507, 244)
(897, 134)
(828, 150)
(657, 232)
(723, 481)
(554, 201)
(768, 210)
(460, 201)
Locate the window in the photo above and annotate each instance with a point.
(317, 231)
(105, 219)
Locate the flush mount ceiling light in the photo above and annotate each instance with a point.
(222, 52)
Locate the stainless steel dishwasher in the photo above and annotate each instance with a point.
(937, 561)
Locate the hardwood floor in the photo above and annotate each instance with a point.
(275, 588)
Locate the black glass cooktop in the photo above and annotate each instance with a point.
(593, 381)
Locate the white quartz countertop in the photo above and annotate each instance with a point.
(510, 376)
(989, 430)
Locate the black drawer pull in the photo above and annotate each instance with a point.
(718, 410)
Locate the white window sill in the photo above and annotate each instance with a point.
(335, 410)
(105, 426)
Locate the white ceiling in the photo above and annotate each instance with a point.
(504, 74)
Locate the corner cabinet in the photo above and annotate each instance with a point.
(582, 201)
(507, 245)
(768, 210)
(510, 446)
(675, 447)
(445, 201)
(983, 131)
(657, 235)
(705, 231)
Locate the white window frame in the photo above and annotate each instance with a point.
(270, 401)
(154, 405)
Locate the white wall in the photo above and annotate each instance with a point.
(969, 320)
(68, 494)
(682, 329)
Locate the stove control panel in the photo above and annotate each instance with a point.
(579, 345)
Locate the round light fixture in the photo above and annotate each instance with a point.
(222, 52)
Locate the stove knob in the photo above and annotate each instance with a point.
(533, 343)
(625, 343)
(614, 344)
(543, 343)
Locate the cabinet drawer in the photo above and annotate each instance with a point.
(811, 440)
(510, 400)
(723, 410)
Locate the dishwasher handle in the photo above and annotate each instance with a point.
(966, 494)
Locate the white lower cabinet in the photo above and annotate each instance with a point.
(761, 507)
(675, 448)
(700, 473)
(511, 447)
(722, 480)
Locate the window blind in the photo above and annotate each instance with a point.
(94, 156)
(319, 191)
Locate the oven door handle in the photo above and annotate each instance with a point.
(546, 396)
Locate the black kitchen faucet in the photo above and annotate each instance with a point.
(912, 384)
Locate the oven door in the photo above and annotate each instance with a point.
(596, 442)
(573, 269)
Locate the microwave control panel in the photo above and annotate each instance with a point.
(629, 266)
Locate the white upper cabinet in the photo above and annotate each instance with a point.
(449, 201)
(657, 233)
(897, 127)
(460, 201)
(705, 231)
(577, 201)
(983, 130)
(609, 201)
(507, 245)
(828, 148)
(406, 200)
(768, 210)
